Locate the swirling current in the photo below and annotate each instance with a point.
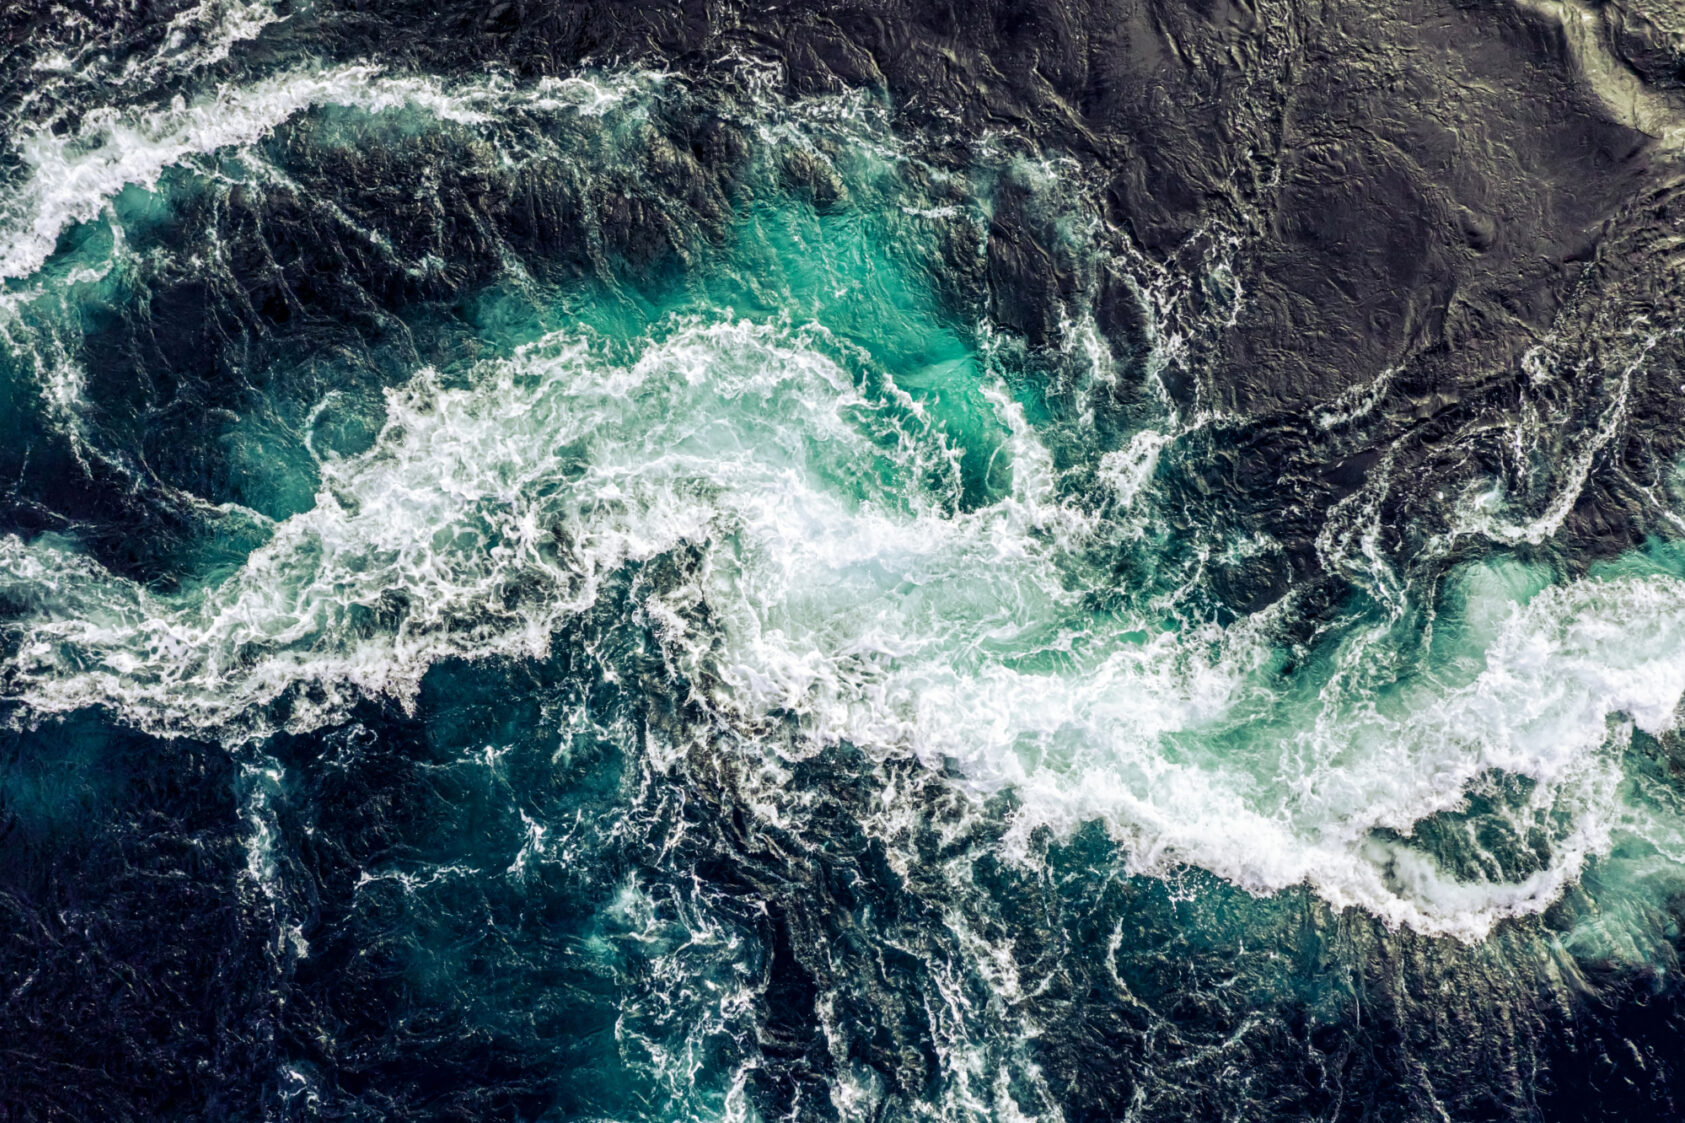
(563, 562)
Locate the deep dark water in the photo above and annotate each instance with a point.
(153, 981)
(608, 562)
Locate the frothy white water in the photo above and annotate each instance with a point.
(1190, 755)
(825, 574)
(1567, 419)
(204, 35)
(462, 532)
(72, 176)
(815, 563)
(195, 38)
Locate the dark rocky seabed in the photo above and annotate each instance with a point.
(867, 560)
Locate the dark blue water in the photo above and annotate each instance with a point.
(593, 598)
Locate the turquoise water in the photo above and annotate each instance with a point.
(556, 618)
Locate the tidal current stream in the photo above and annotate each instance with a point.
(554, 598)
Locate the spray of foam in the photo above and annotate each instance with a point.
(834, 579)
(72, 176)
(464, 530)
(204, 35)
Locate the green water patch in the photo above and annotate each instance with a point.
(857, 272)
(218, 276)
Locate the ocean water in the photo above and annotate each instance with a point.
(567, 599)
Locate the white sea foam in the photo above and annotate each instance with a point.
(465, 509)
(204, 35)
(1556, 434)
(72, 176)
(830, 575)
(871, 609)
(1357, 402)
(1129, 470)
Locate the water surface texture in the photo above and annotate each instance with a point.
(600, 565)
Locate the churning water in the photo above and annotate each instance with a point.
(616, 629)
